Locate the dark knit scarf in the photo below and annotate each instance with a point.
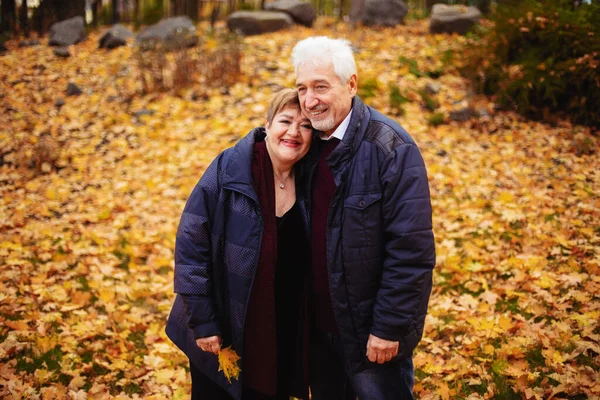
(260, 338)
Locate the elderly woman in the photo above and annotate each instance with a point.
(241, 263)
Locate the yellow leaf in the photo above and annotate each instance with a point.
(107, 295)
(488, 349)
(505, 323)
(163, 376)
(228, 359)
(444, 391)
(76, 383)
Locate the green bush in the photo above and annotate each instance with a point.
(542, 58)
(397, 100)
(368, 88)
(436, 119)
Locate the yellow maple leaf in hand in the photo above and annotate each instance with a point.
(228, 359)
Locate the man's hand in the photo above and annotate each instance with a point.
(211, 344)
(381, 350)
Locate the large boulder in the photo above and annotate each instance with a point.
(115, 37)
(301, 12)
(173, 32)
(453, 19)
(62, 51)
(257, 22)
(67, 32)
(384, 12)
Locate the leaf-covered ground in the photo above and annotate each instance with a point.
(86, 245)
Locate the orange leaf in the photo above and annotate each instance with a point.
(228, 359)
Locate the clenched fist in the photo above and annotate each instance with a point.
(211, 344)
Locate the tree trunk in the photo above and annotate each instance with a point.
(483, 6)
(95, 7)
(341, 10)
(192, 9)
(24, 19)
(115, 11)
(430, 3)
(136, 13)
(357, 8)
(8, 15)
(51, 11)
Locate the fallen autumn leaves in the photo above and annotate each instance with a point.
(86, 247)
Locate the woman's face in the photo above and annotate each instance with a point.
(288, 136)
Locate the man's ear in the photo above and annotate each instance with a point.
(353, 84)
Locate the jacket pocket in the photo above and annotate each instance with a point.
(362, 224)
(361, 201)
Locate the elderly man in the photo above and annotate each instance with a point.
(372, 241)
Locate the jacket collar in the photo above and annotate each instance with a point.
(353, 137)
(238, 170)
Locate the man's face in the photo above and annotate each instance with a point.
(324, 99)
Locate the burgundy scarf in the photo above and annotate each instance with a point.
(260, 341)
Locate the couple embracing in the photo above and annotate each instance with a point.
(308, 248)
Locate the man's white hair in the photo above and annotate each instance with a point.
(321, 50)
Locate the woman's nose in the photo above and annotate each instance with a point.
(294, 129)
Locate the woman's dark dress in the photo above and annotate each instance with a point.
(290, 307)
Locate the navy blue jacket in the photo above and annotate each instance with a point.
(380, 244)
(216, 255)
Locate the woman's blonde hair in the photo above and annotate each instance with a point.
(282, 99)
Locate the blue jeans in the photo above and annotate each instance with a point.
(329, 379)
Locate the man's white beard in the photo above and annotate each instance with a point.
(325, 125)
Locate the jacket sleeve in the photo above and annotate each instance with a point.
(193, 258)
(409, 249)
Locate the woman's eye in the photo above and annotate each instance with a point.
(306, 126)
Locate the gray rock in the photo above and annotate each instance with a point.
(464, 114)
(114, 37)
(67, 32)
(62, 52)
(29, 43)
(433, 88)
(173, 32)
(301, 12)
(384, 12)
(59, 103)
(143, 112)
(257, 22)
(73, 89)
(482, 112)
(453, 19)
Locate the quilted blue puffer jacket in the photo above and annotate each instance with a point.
(216, 255)
(380, 244)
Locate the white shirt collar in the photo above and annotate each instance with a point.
(340, 130)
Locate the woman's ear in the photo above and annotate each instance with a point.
(267, 126)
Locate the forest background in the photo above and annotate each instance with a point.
(99, 151)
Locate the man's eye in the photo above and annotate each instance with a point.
(321, 87)
(301, 90)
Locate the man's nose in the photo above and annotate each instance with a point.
(310, 100)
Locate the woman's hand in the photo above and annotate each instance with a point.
(211, 344)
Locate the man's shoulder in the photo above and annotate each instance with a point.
(386, 133)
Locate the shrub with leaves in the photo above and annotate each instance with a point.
(214, 63)
(542, 58)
